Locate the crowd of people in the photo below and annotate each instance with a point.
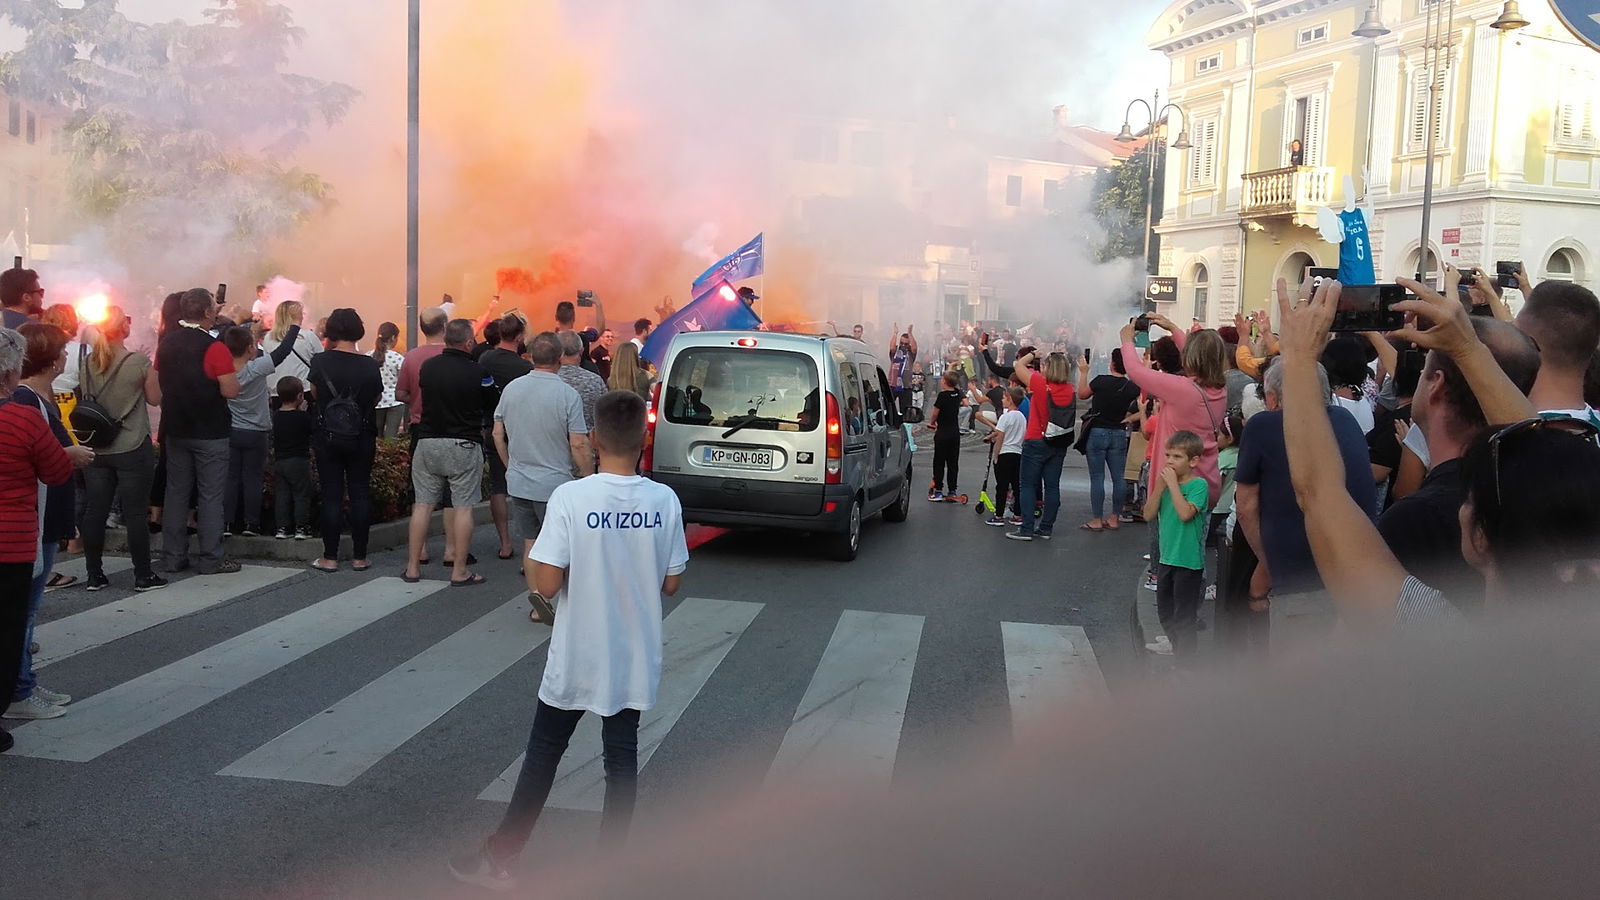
(181, 438)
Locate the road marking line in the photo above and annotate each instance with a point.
(695, 638)
(79, 567)
(1046, 666)
(335, 746)
(135, 708)
(69, 636)
(847, 727)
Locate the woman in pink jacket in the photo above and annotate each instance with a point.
(1195, 401)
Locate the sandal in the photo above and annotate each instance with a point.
(450, 563)
(58, 580)
(410, 579)
(323, 569)
(361, 567)
(1090, 527)
(511, 555)
(469, 581)
(542, 612)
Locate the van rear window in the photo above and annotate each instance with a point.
(727, 387)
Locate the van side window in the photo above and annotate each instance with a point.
(850, 383)
(877, 416)
(892, 411)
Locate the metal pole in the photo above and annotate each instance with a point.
(1150, 184)
(413, 141)
(1436, 62)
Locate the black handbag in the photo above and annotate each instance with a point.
(94, 425)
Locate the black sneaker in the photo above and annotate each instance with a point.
(251, 531)
(226, 567)
(151, 582)
(96, 582)
(282, 535)
(302, 534)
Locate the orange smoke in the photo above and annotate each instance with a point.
(512, 280)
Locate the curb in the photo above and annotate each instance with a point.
(384, 536)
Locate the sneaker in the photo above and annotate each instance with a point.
(226, 567)
(1125, 518)
(96, 582)
(936, 496)
(952, 497)
(227, 532)
(1042, 535)
(282, 535)
(1211, 592)
(1019, 535)
(1015, 520)
(1149, 581)
(251, 531)
(54, 698)
(33, 708)
(996, 521)
(1161, 646)
(302, 534)
(151, 582)
(114, 520)
(479, 869)
(1145, 557)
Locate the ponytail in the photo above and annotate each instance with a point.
(102, 353)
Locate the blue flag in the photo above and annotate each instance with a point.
(745, 262)
(717, 310)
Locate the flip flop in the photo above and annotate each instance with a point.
(1087, 527)
(450, 563)
(410, 579)
(512, 555)
(58, 580)
(542, 613)
(323, 569)
(469, 581)
(356, 568)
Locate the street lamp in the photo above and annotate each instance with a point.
(1125, 136)
(1510, 18)
(1438, 52)
(413, 140)
(1370, 27)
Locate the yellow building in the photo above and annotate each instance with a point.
(32, 180)
(1515, 174)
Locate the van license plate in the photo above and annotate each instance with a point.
(737, 459)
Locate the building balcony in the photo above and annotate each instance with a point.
(1293, 192)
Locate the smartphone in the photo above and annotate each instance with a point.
(1142, 324)
(1319, 275)
(222, 294)
(1141, 339)
(1369, 307)
(1506, 274)
(586, 298)
(1086, 354)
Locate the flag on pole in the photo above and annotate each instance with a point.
(718, 309)
(745, 262)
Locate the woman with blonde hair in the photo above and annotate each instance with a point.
(1196, 400)
(1051, 409)
(124, 383)
(627, 374)
(305, 346)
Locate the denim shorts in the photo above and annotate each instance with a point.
(440, 463)
(527, 517)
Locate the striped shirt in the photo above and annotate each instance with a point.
(29, 454)
(1421, 605)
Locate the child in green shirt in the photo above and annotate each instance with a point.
(1179, 500)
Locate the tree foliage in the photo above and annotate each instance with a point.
(179, 134)
(1119, 202)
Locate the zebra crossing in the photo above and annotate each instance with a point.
(846, 726)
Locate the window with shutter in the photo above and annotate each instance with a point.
(1416, 126)
(1203, 156)
(1314, 141)
(1575, 122)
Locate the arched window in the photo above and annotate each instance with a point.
(1563, 265)
(1429, 268)
(1293, 270)
(1202, 290)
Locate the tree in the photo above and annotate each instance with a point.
(1119, 202)
(179, 134)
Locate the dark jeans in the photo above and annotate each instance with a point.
(1178, 594)
(946, 460)
(291, 492)
(1007, 468)
(125, 477)
(1107, 450)
(199, 467)
(15, 579)
(342, 469)
(902, 398)
(25, 678)
(1240, 630)
(247, 462)
(1041, 471)
(547, 743)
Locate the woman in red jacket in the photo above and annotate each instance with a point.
(29, 454)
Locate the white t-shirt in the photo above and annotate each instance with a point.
(1418, 444)
(1015, 425)
(1361, 409)
(618, 537)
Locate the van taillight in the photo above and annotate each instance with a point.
(835, 442)
(648, 458)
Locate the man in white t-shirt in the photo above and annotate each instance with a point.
(1564, 318)
(611, 545)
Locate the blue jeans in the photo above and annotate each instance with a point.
(1107, 452)
(25, 677)
(1041, 463)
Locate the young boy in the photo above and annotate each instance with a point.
(291, 461)
(1179, 499)
(1007, 439)
(945, 423)
(611, 545)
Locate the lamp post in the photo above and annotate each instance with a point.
(413, 140)
(1438, 47)
(1125, 136)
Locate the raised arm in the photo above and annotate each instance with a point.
(1359, 571)
(1160, 385)
(285, 347)
(1452, 335)
(1388, 357)
(1083, 379)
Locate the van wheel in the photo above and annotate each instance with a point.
(844, 546)
(901, 507)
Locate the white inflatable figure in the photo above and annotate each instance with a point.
(1350, 229)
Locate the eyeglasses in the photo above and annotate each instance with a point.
(1579, 427)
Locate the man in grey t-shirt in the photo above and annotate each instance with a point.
(541, 436)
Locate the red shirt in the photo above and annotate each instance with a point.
(1062, 394)
(411, 372)
(29, 454)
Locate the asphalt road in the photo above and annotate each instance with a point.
(331, 735)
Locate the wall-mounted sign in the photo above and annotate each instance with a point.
(1581, 17)
(1451, 236)
(1160, 288)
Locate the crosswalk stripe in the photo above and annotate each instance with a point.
(78, 567)
(335, 746)
(1047, 665)
(695, 638)
(134, 708)
(101, 625)
(847, 727)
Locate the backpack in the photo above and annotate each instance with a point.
(92, 424)
(1062, 424)
(342, 419)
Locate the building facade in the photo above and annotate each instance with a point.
(32, 181)
(1515, 160)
